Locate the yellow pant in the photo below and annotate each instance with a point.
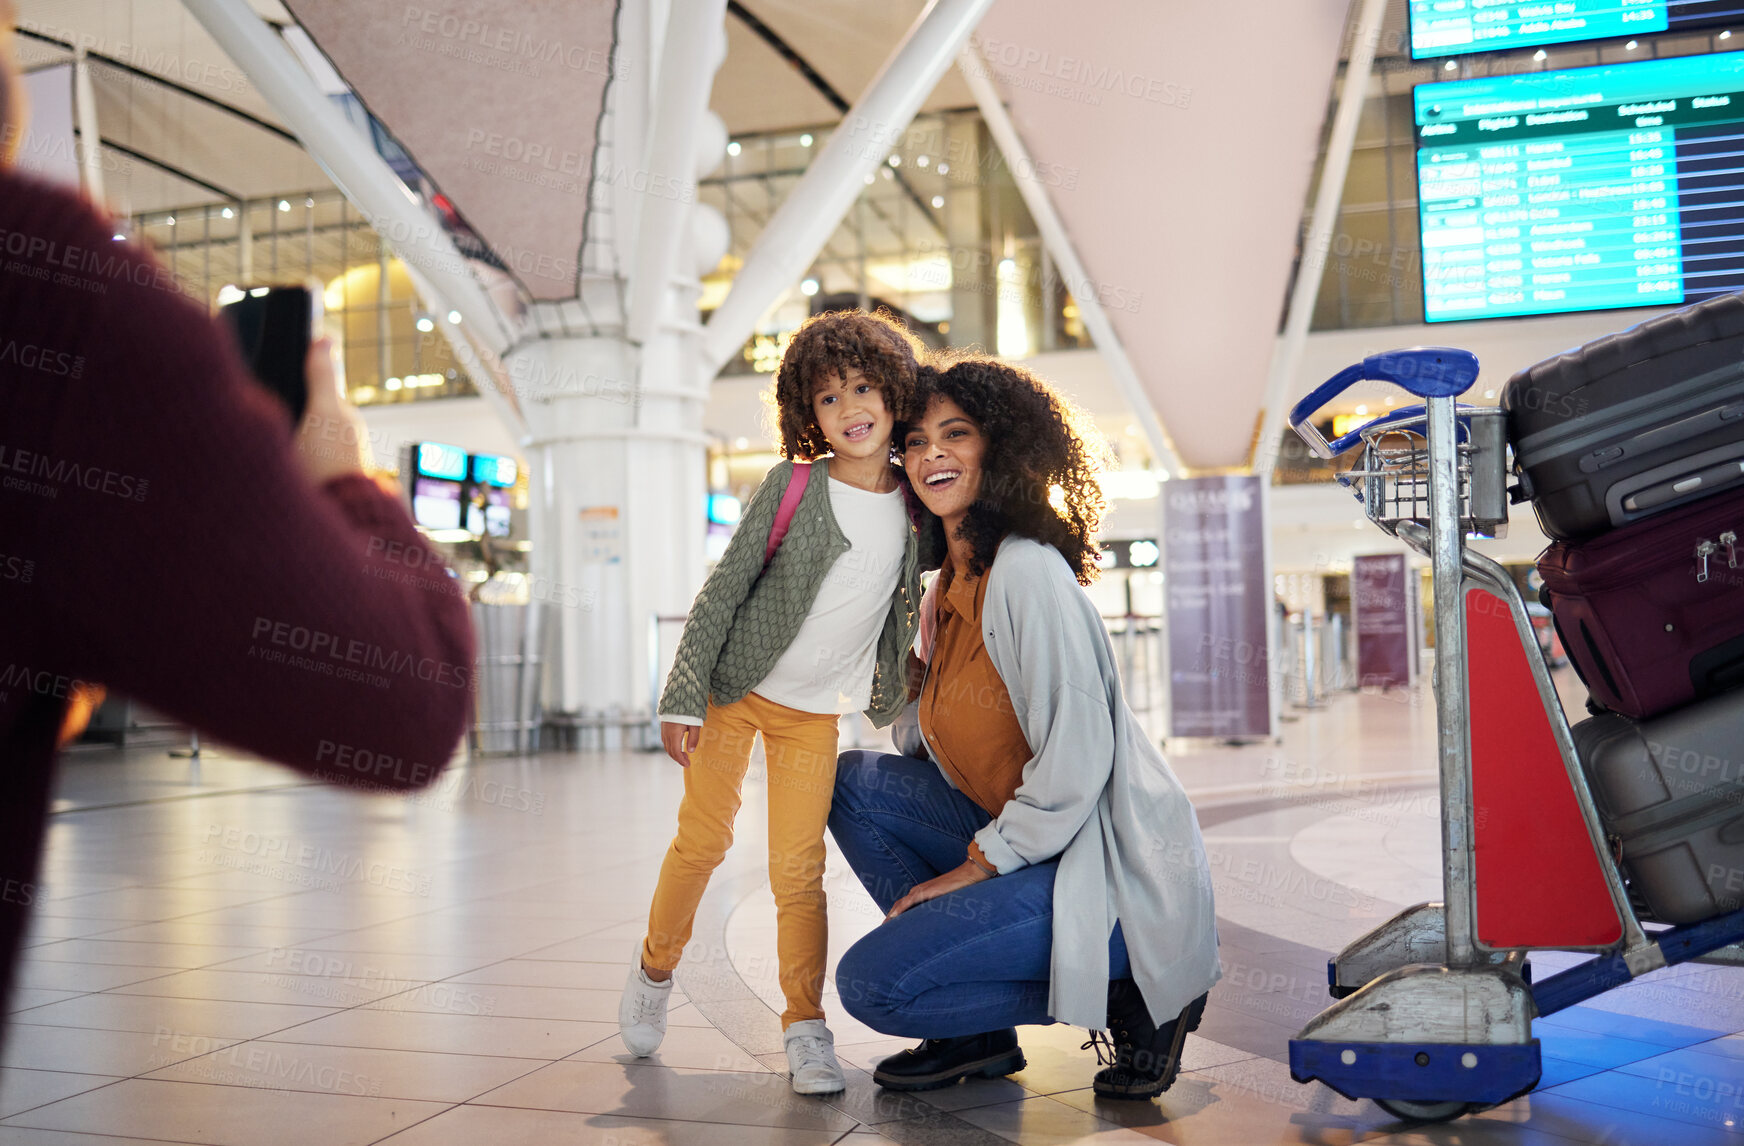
(800, 748)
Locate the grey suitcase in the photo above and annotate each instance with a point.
(1632, 424)
(1670, 793)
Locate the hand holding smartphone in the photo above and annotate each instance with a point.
(274, 327)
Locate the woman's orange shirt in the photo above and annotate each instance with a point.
(965, 709)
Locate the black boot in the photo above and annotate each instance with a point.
(945, 1062)
(1146, 1057)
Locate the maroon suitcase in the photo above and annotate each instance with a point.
(1652, 614)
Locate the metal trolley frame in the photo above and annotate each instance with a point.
(1431, 1021)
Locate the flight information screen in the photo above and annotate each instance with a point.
(1587, 189)
(1453, 27)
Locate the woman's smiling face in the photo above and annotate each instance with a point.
(942, 452)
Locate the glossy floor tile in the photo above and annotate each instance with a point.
(262, 961)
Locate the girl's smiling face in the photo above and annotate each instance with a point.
(850, 411)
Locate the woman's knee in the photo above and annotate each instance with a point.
(866, 986)
(853, 768)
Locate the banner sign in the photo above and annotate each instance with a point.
(1214, 534)
(1381, 600)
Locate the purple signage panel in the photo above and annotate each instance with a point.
(1215, 579)
(1379, 596)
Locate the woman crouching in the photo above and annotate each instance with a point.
(1037, 858)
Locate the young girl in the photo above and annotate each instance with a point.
(784, 650)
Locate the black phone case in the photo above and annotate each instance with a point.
(272, 331)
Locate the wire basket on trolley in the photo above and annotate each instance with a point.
(1391, 477)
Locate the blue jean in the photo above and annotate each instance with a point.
(972, 961)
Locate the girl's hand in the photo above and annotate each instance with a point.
(970, 872)
(679, 740)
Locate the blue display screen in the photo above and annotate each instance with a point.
(1586, 189)
(1456, 27)
(440, 461)
(493, 469)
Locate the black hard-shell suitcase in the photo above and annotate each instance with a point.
(1670, 793)
(1633, 423)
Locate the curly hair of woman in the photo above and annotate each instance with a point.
(1038, 474)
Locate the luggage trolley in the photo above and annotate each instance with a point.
(1435, 1009)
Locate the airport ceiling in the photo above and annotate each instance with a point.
(179, 144)
(1187, 235)
(167, 130)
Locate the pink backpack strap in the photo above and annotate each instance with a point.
(789, 506)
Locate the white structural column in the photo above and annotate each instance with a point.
(85, 115)
(362, 175)
(694, 33)
(811, 212)
(1059, 245)
(616, 448)
(1315, 245)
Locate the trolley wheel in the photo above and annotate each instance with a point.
(1410, 1111)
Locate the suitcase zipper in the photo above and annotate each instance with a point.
(1704, 550)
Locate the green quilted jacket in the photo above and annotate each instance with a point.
(741, 622)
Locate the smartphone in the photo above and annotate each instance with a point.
(274, 326)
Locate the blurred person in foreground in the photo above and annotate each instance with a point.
(165, 532)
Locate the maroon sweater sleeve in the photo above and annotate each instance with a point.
(180, 553)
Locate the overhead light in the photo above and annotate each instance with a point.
(1007, 266)
(284, 204)
(228, 293)
(1726, 35)
(309, 202)
(454, 317)
(920, 161)
(227, 213)
(938, 200)
(805, 140)
(888, 174)
(809, 287)
(896, 161)
(1361, 410)
(1541, 55)
(1631, 45)
(944, 168)
(259, 292)
(1449, 66)
(425, 325)
(733, 148)
(1489, 393)
(741, 443)
(391, 384)
(170, 219)
(118, 237)
(869, 179)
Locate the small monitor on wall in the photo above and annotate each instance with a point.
(494, 469)
(436, 503)
(1587, 189)
(1456, 27)
(441, 461)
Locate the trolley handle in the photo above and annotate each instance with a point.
(1426, 371)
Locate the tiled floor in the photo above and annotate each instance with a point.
(224, 954)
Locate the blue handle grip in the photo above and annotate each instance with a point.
(1426, 371)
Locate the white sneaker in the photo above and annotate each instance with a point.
(642, 1010)
(811, 1058)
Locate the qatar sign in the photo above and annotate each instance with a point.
(1214, 534)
